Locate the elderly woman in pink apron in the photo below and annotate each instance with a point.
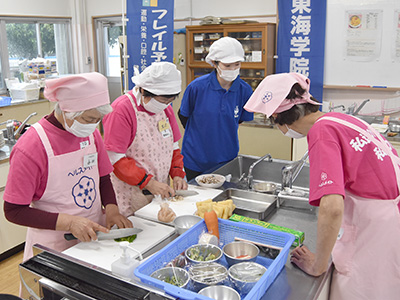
(355, 181)
(141, 137)
(59, 170)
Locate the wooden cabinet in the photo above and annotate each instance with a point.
(258, 40)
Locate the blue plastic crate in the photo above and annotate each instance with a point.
(5, 101)
(228, 230)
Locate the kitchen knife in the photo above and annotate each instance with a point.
(112, 234)
(185, 193)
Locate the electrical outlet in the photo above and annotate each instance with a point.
(88, 60)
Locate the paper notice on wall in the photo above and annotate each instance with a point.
(396, 37)
(363, 35)
(256, 56)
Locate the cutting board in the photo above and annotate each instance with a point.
(185, 207)
(104, 253)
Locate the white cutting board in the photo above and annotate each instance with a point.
(104, 253)
(185, 207)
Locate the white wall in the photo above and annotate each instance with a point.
(54, 8)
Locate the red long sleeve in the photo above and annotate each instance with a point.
(126, 170)
(177, 164)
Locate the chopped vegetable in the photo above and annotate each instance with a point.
(243, 256)
(129, 239)
(173, 280)
(211, 219)
(194, 254)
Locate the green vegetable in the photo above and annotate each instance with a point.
(129, 239)
(173, 280)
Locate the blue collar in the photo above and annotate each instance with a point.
(216, 86)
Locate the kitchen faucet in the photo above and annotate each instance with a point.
(334, 107)
(250, 173)
(14, 135)
(355, 112)
(291, 171)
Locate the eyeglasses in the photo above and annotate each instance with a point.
(164, 99)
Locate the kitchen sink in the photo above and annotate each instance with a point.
(266, 170)
(248, 203)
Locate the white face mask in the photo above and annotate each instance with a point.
(154, 106)
(293, 134)
(228, 75)
(79, 129)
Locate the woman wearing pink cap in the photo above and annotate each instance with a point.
(59, 171)
(355, 181)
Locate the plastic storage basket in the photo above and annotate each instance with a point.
(228, 230)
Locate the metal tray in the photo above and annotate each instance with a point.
(249, 204)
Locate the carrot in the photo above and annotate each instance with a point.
(211, 219)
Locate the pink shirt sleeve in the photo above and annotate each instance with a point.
(27, 177)
(120, 126)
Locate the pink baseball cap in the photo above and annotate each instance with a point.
(78, 92)
(270, 95)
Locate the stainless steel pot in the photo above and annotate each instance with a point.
(393, 127)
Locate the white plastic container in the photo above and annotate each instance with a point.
(26, 94)
(125, 265)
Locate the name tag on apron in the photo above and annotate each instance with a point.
(90, 160)
(164, 128)
(84, 144)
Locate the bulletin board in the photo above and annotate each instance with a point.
(362, 46)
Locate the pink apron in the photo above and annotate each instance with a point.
(367, 253)
(152, 150)
(71, 189)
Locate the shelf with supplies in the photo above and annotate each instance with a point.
(257, 39)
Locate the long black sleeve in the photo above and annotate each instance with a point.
(182, 118)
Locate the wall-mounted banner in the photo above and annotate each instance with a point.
(150, 33)
(301, 40)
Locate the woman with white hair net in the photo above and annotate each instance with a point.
(141, 136)
(59, 169)
(212, 109)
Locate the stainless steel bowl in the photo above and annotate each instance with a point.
(203, 275)
(220, 292)
(183, 223)
(172, 275)
(245, 275)
(265, 187)
(394, 127)
(203, 253)
(237, 252)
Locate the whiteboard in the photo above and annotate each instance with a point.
(384, 70)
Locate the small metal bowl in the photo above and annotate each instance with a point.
(220, 292)
(203, 275)
(200, 252)
(183, 223)
(265, 187)
(394, 127)
(168, 274)
(237, 252)
(245, 275)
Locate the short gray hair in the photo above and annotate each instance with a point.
(103, 110)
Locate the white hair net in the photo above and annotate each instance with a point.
(160, 78)
(226, 50)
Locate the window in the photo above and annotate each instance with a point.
(26, 38)
(108, 31)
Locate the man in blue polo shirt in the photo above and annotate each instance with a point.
(212, 108)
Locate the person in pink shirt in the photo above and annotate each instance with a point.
(355, 181)
(141, 137)
(59, 178)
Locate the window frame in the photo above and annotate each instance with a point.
(99, 24)
(4, 57)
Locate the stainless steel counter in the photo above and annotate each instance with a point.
(5, 152)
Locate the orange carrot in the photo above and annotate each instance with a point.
(211, 219)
